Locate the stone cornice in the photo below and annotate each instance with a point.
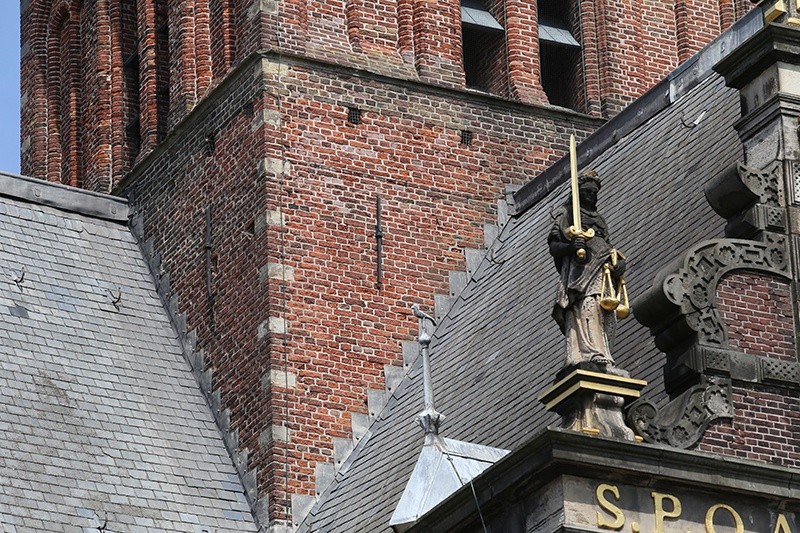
(774, 43)
(553, 453)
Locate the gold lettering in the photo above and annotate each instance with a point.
(782, 526)
(602, 520)
(710, 518)
(661, 513)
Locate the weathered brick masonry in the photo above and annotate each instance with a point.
(764, 427)
(232, 127)
(299, 330)
(757, 311)
(103, 82)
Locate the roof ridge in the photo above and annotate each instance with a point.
(64, 197)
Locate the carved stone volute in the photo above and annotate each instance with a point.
(682, 422)
(749, 199)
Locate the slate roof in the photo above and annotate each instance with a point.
(102, 421)
(498, 348)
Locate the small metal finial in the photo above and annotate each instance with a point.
(421, 314)
(429, 418)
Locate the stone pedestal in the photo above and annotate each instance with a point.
(591, 402)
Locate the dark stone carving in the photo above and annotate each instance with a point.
(764, 184)
(740, 187)
(682, 421)
(780, 371)
(738, 366)
(750, 199)
(794, 168)
(758, 218)
(680, 305)
(716, 360)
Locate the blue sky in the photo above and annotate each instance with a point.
(9, 88)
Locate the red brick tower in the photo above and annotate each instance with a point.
(259, 139)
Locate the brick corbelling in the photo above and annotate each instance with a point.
(245, 73)
(33, 83)
(754, 409)
(202, 48)
(223, 29)
(56, 22)
(627, 47)
(659, 49)
(372, 26)
(148, 74)
(756, 309)
(122, 94)
(246, 68)
(437, 43)
(98, 137)
(697, 22)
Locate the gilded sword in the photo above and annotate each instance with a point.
(576, 230)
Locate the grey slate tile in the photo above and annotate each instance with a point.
(99, 404)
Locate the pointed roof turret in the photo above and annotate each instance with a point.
(444, 465)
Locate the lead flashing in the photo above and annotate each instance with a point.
(774, 43)
(65, 198)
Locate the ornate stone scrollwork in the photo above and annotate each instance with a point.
(682, 421)
(740, 187)
(750, 199)
(681, 302)
(764, 184)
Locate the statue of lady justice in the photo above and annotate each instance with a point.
(588, 299)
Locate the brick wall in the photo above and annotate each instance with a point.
(103, 82)
(299, 330)
(437, 194)
(185, 50)
(213, 165)
(756, 309)
(765, 427)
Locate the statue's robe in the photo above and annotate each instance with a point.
(588, 328)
